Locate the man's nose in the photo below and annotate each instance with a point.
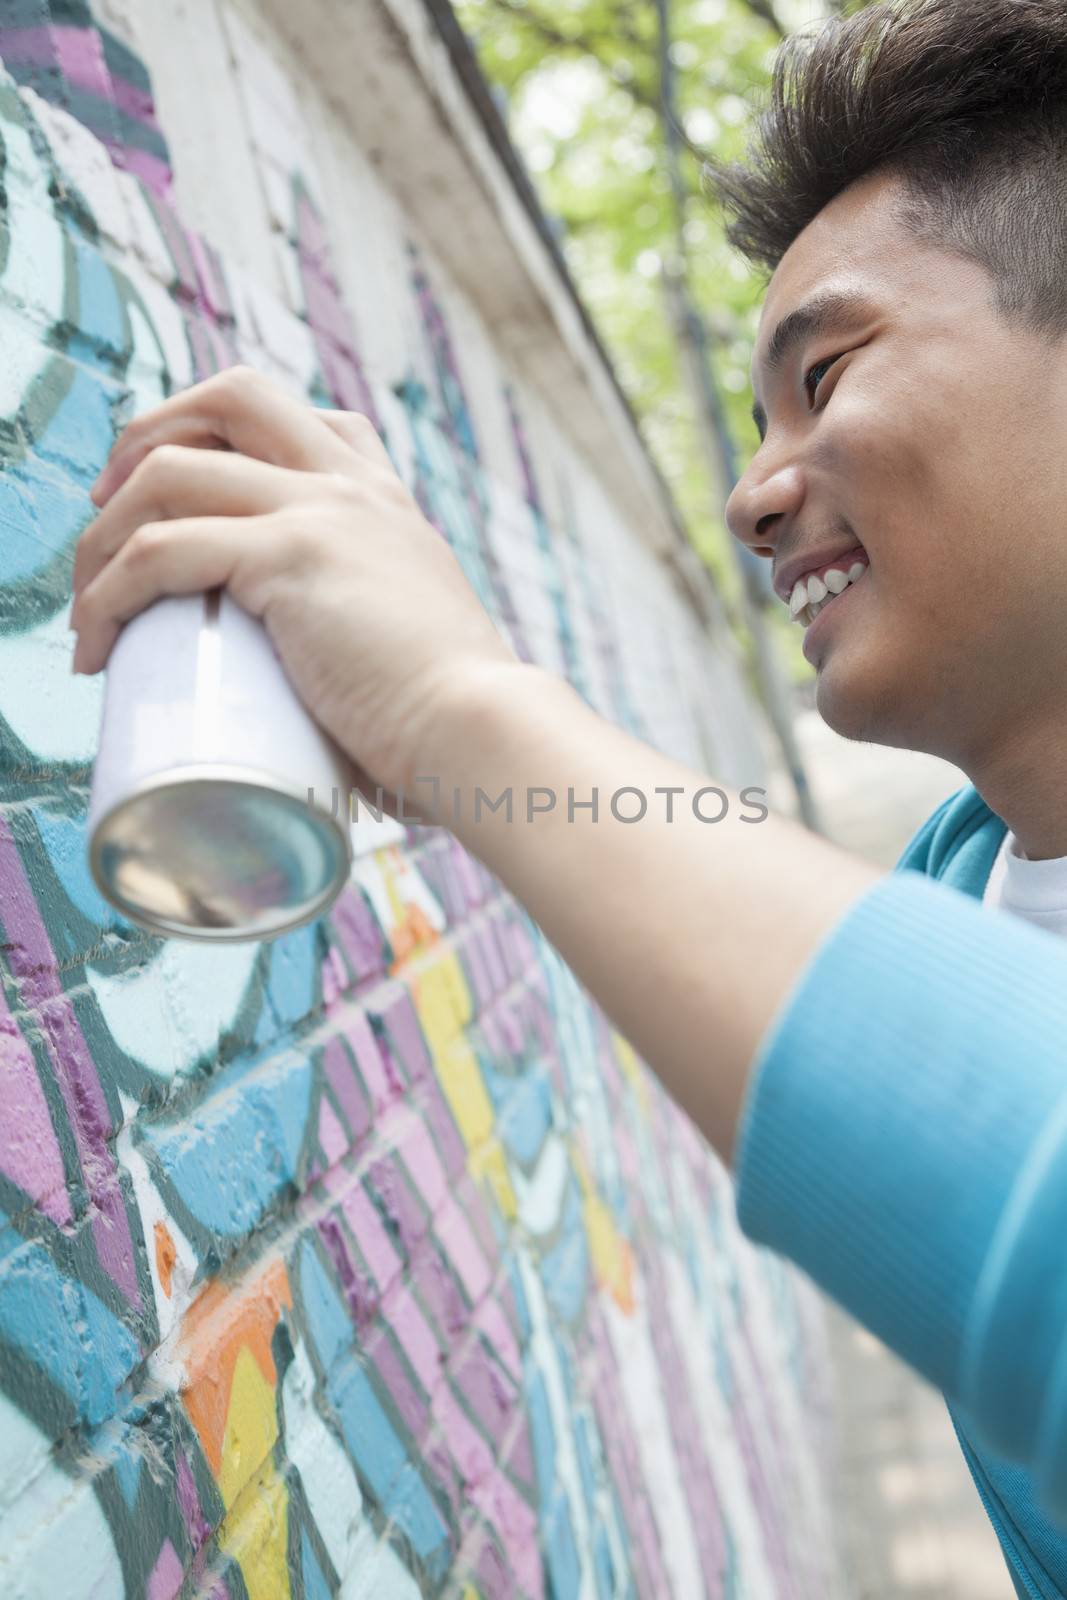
(766, 494)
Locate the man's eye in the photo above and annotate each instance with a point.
(816, 373)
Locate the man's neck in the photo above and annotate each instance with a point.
(1024, 780)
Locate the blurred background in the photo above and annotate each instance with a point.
(613, 106)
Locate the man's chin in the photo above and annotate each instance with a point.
(856, 706)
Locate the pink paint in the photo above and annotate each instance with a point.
(351, 1096)
(374, 1243)
(29, 1149)
(383, 1091)
(165, 1578)
(491, 1493)
(405, 1316)
(32, 963)
(469, 874)
(198, 1527)
(152, 170)
(335, 979)
(81, 60)
(454, 1232)
(133, 102)
(489, 1319)
(331, 1134)
(420, 1158)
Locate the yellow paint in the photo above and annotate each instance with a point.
(443, 1004)
(256, 1535)
(389, 861)
(460, 1077)
(434, 1002)
(256, 1500)
(488, 1163)
(454, 978)
(632, 1070)
(611, 1253)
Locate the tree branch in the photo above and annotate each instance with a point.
(764, 9)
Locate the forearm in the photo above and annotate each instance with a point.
(688, 933)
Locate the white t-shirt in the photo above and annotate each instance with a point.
(1036, 890)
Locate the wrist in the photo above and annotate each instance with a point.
(479, 708)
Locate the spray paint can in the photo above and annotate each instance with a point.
(219, 809)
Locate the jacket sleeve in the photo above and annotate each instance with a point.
(904, 1141)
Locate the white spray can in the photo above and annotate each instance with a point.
(219, 808)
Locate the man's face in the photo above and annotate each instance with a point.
(933, 450)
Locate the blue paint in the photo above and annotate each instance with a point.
(127, 1464)
(542, 1434)
(523, 1109)
(103, 332)
(315, 1585)
(603, 1566)
(59, 1325)
(64, 841)
(565, 1268)
(369, 1436)
(383, 1463)
(293, 985)
(561, 1551)
(232, 1166)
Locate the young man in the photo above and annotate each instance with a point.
(884, 1061)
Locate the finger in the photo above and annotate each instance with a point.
(240, 408)
(173, 558)
(372, 793)
(359, 432)
(176, 481)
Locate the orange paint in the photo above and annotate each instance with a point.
(166, 1256)
(409, 935)
(224, 1320)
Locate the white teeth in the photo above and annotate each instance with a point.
(811, 594)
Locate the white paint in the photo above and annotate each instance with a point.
(54, 1519)
(170, 1013)
(34, 275)
(648, 1421)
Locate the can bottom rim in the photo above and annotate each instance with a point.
(219, 853)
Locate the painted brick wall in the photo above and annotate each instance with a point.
(369, 1261)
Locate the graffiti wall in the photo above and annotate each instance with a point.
(369, 1261)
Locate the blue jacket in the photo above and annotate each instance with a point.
(904, 1141)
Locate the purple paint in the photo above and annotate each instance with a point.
(359, 934)
(189, 1501)
(404, 1036)
(402, 1312)
(457, 1238)
(361, 1297)
(29, 1150)
(488, 1395)
(32, 964)
(375, 1245)
(331, 1134)
(80, 56)
(165, 1578)
(351, 1094)
(401, 1206)
(390, 1371)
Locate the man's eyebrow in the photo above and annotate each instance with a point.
(814, 316)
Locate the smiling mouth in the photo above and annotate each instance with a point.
(814, 594)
